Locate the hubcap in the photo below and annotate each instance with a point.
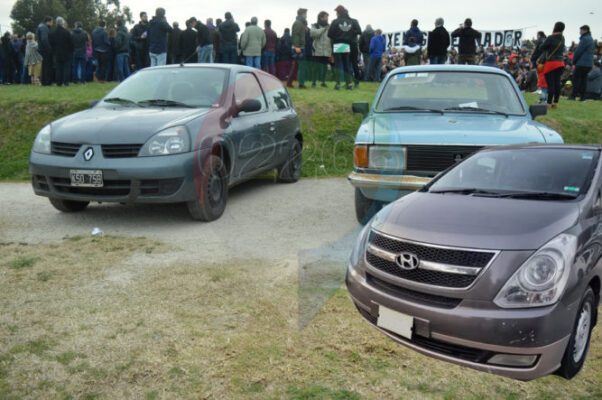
(583, 330)
(215, 188)
(296, 159)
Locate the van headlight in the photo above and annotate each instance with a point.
(170, 141)
(542, 279)
(387, 157)
(42, 142)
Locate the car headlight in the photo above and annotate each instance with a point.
(387, 157)
(173, 140)
(542, 279)
(42, 142)
(360, 245)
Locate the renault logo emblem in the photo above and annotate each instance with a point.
(407, 261)
(88, 154)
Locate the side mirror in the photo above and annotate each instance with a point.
(94, 102)
(248, 106)
(360, 108)
(538, 110)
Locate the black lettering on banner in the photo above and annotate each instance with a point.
(499, 39)
(518, 36)
(508, 39)
(396, 42)
(486, 41)
(389, 38)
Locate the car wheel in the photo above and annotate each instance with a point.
(576, 351)
(290, 171)
(68, 206)
(365, 208)
(212, 192)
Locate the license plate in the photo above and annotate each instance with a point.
(395, 322)
(86, 178)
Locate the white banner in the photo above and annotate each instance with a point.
(506, 38)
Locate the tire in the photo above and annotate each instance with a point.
(68, 206)
(365, 208)
(290, 171)
(576, 351)
(212, 191)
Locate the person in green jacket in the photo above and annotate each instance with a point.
(299, 64)
(252, 43)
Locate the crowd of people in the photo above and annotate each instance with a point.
(309, 53)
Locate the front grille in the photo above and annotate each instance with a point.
(434, 159)
(64, 149)
(111, 188)
(120, 150)
(464, 258)
(411, 295)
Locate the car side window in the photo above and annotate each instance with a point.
(278, 97)
(247, 88)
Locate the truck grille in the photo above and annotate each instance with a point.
(433, 159)
(64, 149)
(463, 258)
(120, 150)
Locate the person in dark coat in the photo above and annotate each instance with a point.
(413, 32)
(122, 52)
(438, 43)
(553, 56)
(583, 60)
(101, 45)
(173, 45)
(541, 37)
(284, 55)
(205, 43)
(343, 33)
(364, 44)
(229, 39)
(469, 37)
(158, 29)
(594, 82)
(9, 59)
(43, 36)
(79, 37)
(140, 39)
(60, 40)
(217, 41)
(189, 42)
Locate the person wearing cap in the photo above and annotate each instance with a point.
(343, 33)
(299, 64)
(469, 38)
(553, 57)
(583, 60)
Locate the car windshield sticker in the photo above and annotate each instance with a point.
(474, 104)
(400, 76)
(572, 189)
(587, 156)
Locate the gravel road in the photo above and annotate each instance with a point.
(263, 220)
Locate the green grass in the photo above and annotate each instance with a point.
(328, 125)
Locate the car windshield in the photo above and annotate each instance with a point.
(190, 87)
(535, 173)
(469, 92)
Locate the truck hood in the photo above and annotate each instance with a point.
(119, 125)
(454, 128)
(477, 222)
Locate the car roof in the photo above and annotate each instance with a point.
(449, 68)
(231, 67)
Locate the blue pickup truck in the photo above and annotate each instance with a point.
(425, 119)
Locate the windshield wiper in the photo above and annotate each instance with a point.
(467, 191)
(411, 108)
(539, 196)
(477, 109)
(119, 100)
(165, 103)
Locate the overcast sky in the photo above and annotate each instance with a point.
(389, 16)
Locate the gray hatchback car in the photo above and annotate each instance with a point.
(173, 134)
(495, 265)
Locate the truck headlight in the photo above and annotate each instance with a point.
(387, 157)
(542, 279)
(173, 140)
(42, 142)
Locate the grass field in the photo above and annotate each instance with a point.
(328, 124)
(88, 318)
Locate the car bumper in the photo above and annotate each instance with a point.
(386, 188)
(166, 179)
(440, 333)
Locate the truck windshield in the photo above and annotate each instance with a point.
(464, 92)
(529, 173)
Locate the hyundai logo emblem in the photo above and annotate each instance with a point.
(88, 154)
(458, 158)
(407, 261)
